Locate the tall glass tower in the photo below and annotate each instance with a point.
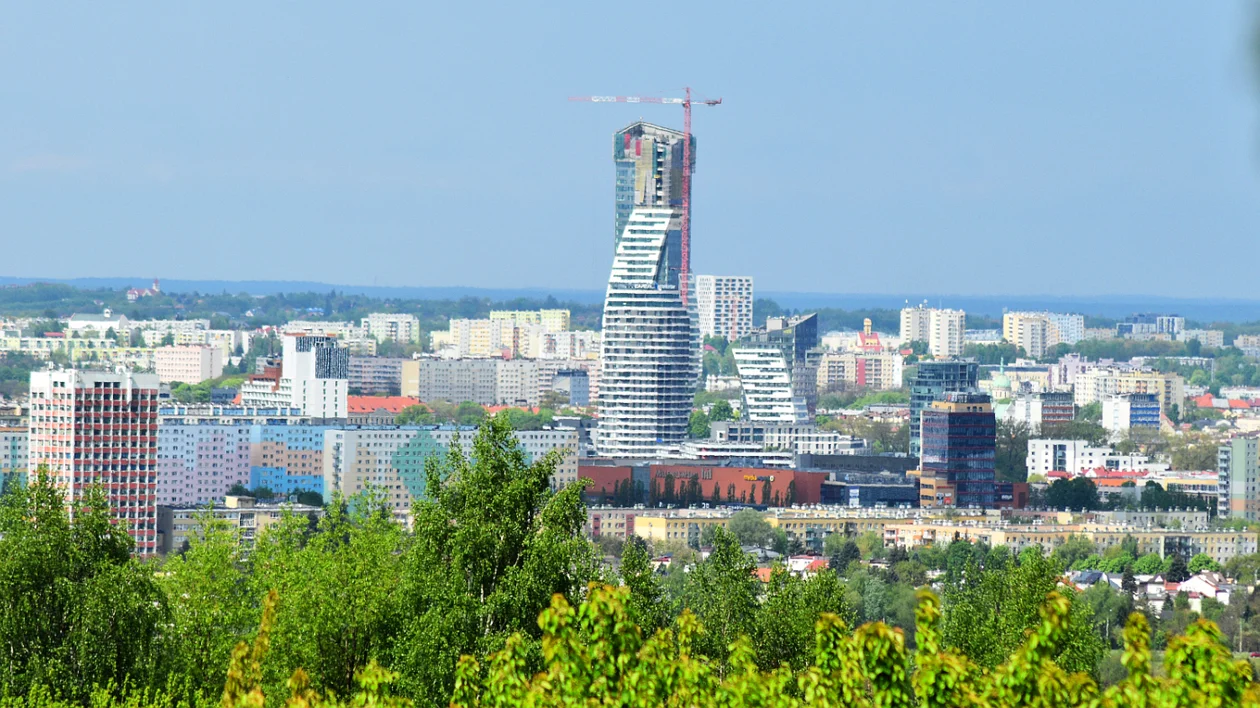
(649, 164)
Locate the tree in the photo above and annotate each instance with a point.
(78, 610)
(1201, 562)
(553, 400)
(844, 556)
(646, 603)
(211, 603)
(987, 612)
(721, 593)
(1149, 564)
(1176, 570)
(1090, 412)
(1011, 461)
(1075, 493)
(492, 544)
(1078, 429)
(698, 425)
(1073, 550)
(750, 529)
(721, 410)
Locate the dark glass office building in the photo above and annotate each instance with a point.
(959, 450)
(934, 379)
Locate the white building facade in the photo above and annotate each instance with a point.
(724, 304)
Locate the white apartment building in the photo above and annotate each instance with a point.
(943, 330)
(650, 351)
(767, 387)
(314, 378)
(370, 375)
(1077, 457)
(538, 343)
(100, 428)
(382, 326)
(881, 372)
(188, 364)
(1213, 338)
(724, 305)
(176, 327)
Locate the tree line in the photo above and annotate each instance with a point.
(354, 604)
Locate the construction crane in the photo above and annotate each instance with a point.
(686, 186)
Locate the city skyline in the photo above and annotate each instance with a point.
(1124, 148)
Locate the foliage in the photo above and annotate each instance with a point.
(76, 610)
(698, 425)
(1201, 562)
(993, 354)
(720, 411)
(1011, 461)
(1076, 493)
(415, 415)
(1079, 429)
(750, 528)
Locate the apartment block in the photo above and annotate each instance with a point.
(14, 455)
(1123, 412)
(1238, 477)
(724, 304)
(188, 364)
(179, 525)
(1078, 457)
(393, 459)
(369, 375)
(556, 320)
(1213, 338)
(388, 327)
(943, 330)
(92, 428)
(1038, 409)
(1096, 384)
(767, 387)
(314, 378)
(841, 371)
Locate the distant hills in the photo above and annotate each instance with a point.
(1200, 309)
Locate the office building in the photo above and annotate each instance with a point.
(1146, 325)
(766, 384)
(188, 364)
(959, 450)
(92, 428)
(650, 353)
(1237, 479)
(932, 380)
(1123, 412)
(389, 327)
(724, 304)
(649, 171)
(370, 375)
(944, 331)
(796, 338)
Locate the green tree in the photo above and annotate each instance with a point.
(1074, 549)
(1201, 562)
(211, 603)
(721, 593)
(646, 603)
(77, 611)
(1090, 412)
(1011, 461)
(698, 425)
(721, 410)
(1075, 493)
(335, 615)
(492, 544)
(750, 529)
(1149, 564)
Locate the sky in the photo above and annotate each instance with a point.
(1069, 148)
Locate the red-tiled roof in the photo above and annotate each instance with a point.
(371, 404)
(763, 574)
(817, 565)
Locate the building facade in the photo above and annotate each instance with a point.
(1237, 479)
(959, 452)
(1125, 412)
(724, 304)
(1040, 409)
(943, 330)
(650, 352)
(179, 525)
(389, 327)
(648, 161)
(14, 455)
(370, 375)
(1096, 384)
(841, 371)
(1078, 457)
(766, 385)
(190, 364)
(933, 379)
(92, 428)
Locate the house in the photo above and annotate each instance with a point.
(1207, 584)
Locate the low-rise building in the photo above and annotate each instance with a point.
(190, 364)
(1077, 457)
(178, 526)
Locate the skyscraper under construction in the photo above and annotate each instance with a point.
(650, 349)
(649, 164)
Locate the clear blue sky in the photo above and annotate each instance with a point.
(1067, 148)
